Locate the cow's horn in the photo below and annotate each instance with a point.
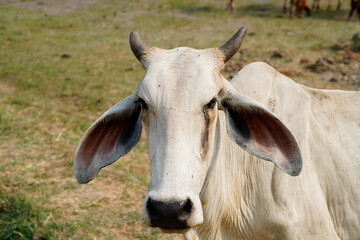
(233, 45)
(137, 46)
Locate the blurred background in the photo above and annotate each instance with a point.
(64, 63)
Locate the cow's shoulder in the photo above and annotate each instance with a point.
(262, 82)
(254, 79)
(286, 99)
(271, 88)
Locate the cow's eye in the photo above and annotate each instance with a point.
(211, 104)
(142, 103)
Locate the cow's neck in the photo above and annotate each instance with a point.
(230, 189)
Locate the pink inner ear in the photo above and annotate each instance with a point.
(269, 134)
(102, 139)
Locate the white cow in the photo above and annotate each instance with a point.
(207, 139)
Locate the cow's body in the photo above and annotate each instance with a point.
(247, 198)
(208, 139)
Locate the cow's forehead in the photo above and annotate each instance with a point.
(181, 73)
(184, 55)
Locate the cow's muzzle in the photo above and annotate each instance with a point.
(170, 214)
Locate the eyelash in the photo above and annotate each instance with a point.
(211, 104)
(142, 103)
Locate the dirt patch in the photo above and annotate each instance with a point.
(321, 65)
(5, 88)
(343, 67)
(280, 54)
(290, 71)
(338, 71)
(305, 60)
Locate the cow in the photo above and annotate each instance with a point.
(259, 157)
(298, 7)
(355, 5)
(301, 7)
(230, 5)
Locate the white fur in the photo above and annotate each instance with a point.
(248, 198)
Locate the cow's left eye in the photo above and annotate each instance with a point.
(142, 103)
(211, 104)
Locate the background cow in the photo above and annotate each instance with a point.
(297, 7)
(355, 6)
(208, 139)
(300, 6)
(230, 5)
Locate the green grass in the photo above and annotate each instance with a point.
(63, 64)
(20, 218)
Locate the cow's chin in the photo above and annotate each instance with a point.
(170, 230)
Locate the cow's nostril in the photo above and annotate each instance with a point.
(169, 214)
(186, 210)
(151, 210)
(188, 206)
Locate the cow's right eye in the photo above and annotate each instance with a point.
(142, 103)
(211, 104)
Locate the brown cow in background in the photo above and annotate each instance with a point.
(355, 5)
(298, 7)
(230, 5)
(301, 6)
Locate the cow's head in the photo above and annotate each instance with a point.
(178, 102)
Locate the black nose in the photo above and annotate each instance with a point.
(169, 215)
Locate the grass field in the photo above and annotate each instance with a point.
(63, 63)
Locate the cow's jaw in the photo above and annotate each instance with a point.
(179, 130)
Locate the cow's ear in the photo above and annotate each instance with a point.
(260, 133)
(113, 135)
